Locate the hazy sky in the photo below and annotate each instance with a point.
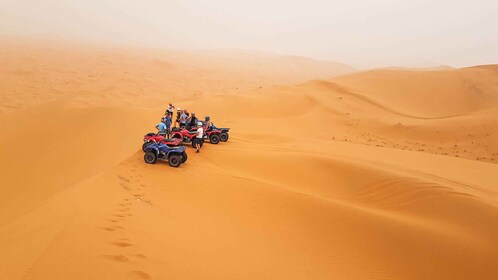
(362, 33)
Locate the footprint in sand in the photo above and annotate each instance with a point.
(109, 229)
(137, 274)
(141, 256)
(116, 258)
(121, 244)
(112, 228)
(124, 179)
(124, 186)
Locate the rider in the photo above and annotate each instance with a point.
(161, 127)
(208, 123)
(192, 121)
(199, 137)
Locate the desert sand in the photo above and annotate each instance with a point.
(328, 174)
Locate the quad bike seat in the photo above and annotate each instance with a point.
(169, 140)
(175, 148)
(192, 132)
(150, 134)
(176, 129)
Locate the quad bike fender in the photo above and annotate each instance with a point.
(153, 149)
(177, 151)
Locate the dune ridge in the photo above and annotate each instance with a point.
(384, 174)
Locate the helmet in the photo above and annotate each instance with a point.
(199, 124)
(207, 118)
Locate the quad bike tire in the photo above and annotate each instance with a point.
(146, 144)
(184, 157)
(175, 160)
(224, 137)
(150, 157)
(214, 139)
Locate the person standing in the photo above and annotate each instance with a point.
(178, 113)
(183, 119)
(161, 127)
(167, 122)
(170, 109)
(192, 121)
(199, 137)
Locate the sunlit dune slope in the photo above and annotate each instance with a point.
(374, 175)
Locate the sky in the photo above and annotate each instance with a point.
(361, 33)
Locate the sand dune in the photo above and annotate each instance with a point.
(35, 72)
(385, 174)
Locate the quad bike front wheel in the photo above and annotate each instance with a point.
(146, 144)
(214, 139)
(175, 160)
(224, 137)
(184, 157)
(150, 157)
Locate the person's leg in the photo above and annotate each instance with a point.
(197, 145)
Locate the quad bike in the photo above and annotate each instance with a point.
(151, 138)
(188, 135)
(159, 151)
(214, 135)
(224, 134)
(223, 131)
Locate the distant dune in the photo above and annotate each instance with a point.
(34, 72)
(383, 174)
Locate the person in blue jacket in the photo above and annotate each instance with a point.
(167, 121)
(161, 127)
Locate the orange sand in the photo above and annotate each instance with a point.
(385, 174)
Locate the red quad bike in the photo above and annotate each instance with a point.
(223, 131)
(188, 135)
(151, 138)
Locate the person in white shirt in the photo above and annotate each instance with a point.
(183, 119)
(199, 137)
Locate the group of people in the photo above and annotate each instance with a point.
(183, 120)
